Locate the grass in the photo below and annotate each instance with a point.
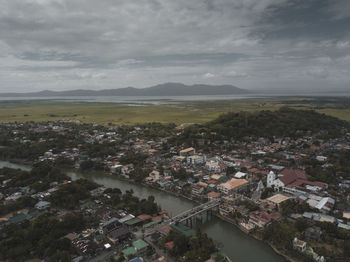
(194, 112)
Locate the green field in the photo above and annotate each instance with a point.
(186, 112)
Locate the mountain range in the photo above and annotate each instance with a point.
(167, 89)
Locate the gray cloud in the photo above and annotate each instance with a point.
(63, 44)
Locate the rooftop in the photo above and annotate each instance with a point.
(233, 183)
(278, 198)
(140, 244)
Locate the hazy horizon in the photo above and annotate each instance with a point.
(276, 45)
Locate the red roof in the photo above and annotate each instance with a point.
(156, 218)
(291, 175)
(257, 171)
(165, 229)
(214, 194)
(295, 172)
(170, 244)
(262, 216)
(144, 217)
(300, 182)
(212, 181)
(222, 166)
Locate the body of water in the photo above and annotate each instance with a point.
(236, 244)
(165, 99)
(15, 166)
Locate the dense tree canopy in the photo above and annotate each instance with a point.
(283, 122)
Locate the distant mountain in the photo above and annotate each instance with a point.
(167, 89)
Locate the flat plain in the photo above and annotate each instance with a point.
(179, 112)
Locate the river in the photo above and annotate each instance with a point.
(236, 244)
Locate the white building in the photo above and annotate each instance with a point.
(272, 180)
(240, 174)
(213, 165)
(196, 159)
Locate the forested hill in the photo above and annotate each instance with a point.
(283, 122)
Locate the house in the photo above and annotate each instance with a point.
(232, 185)
(197, 190)
(115, 230)
(129, 252)
(262, 219)
(188, 152)
(321, 158)
(196, 159)
(41, 205)
(326, 204)
(154, 176)
(145, 218)
(213, 196)
(346, 215)
(119, 233)
(213, 165)
(299, 245)
(240, 175)
(140, 246)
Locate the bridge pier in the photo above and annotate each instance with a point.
(188, 222)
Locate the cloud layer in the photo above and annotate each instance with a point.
(254, 44)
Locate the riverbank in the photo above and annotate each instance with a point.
(223, 218)
(18, 161)
(237, 245)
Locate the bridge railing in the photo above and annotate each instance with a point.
(187, 214)
(196, 210)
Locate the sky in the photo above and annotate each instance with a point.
(284, 45)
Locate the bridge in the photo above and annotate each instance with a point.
(187, 215)
(194, 211)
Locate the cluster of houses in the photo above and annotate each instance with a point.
(302, 247)
(119, 233)
(237, 172)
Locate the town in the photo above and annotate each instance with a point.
(292, 191)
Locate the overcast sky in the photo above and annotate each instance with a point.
(102, 44)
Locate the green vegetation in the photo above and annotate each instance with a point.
(41, 238)
(136, 206)
(292, 206)
(69, 195)
(195, 249)
(283, 122)
(102, 113)
(339, 165)
(182, 112)
(38, 179)
(333, 244)
(23, 202)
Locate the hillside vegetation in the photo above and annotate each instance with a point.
(282, 122)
